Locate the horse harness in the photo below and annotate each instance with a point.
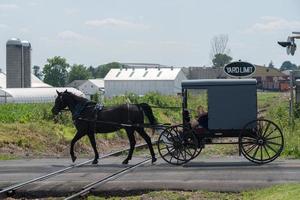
(81, 107)
(128, 114)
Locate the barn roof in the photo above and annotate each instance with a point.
(98, 82)
(76, 83)
(35, 82)
(267, 71)
(143, 74)
(2, 80)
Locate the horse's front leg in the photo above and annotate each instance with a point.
(94, 145)
(74, 140)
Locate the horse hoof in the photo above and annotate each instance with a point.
(125, 162)
(74, 158)
(95, 162)
(154, 160)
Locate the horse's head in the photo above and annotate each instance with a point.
(60, 102)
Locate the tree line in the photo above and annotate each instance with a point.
(58, 72)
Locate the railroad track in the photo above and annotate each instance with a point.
(10, 190)
(88, 188)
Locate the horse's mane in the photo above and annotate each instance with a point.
(76, 97)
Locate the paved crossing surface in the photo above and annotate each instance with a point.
(217, 174)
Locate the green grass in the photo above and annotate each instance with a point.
(31, 126)
(278, 192)
(8, 157)
(265, 99)
(174, 195)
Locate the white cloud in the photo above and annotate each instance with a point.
(25, 30)
(177, 43)
(70, 35)
(111, 22)
(71, 11)
(270, 23)
(163, 44)
(4, 7)
(32, 4)
(3, 26)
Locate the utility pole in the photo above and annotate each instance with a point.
(291, 47)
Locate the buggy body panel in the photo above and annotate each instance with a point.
(232, 103)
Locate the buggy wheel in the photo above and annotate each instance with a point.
(177, 145)
(261, 141)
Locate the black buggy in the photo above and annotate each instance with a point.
(232, 114)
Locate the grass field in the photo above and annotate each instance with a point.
(278, 192)
(30, 128)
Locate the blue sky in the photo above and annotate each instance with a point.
(169, 32)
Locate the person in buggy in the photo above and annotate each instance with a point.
(201, 120)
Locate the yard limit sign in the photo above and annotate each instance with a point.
(239, 69)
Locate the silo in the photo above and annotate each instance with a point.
(26, 68)
(14, 63)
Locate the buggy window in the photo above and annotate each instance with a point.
(196, 98)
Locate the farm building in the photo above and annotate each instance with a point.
(92, 86)
(143, 80)
(76, 83)
(2, 80)
(32, 95)
(35, 82)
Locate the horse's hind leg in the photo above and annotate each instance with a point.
(94, 145)
(74, 140)
(132, 142)
(146, 137)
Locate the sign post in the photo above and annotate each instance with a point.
(239, 69)
(291, 114)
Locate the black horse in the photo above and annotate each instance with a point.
(108, 120)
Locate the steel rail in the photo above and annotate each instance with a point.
(13, 188)
(86, 189)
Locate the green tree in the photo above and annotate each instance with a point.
(79, 72)
(220, 60)
(92, 70)
(37, 71)
(56, 71)
(102, 70)
(287, 65)
(219, 52)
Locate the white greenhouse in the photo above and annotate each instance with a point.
(32, 95)
(140, 81)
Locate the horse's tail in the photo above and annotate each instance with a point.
(148, 112)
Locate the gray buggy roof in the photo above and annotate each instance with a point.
(200, 83)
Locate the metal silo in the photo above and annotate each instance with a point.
(14, 63)
(18, 63)
(26, 64)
